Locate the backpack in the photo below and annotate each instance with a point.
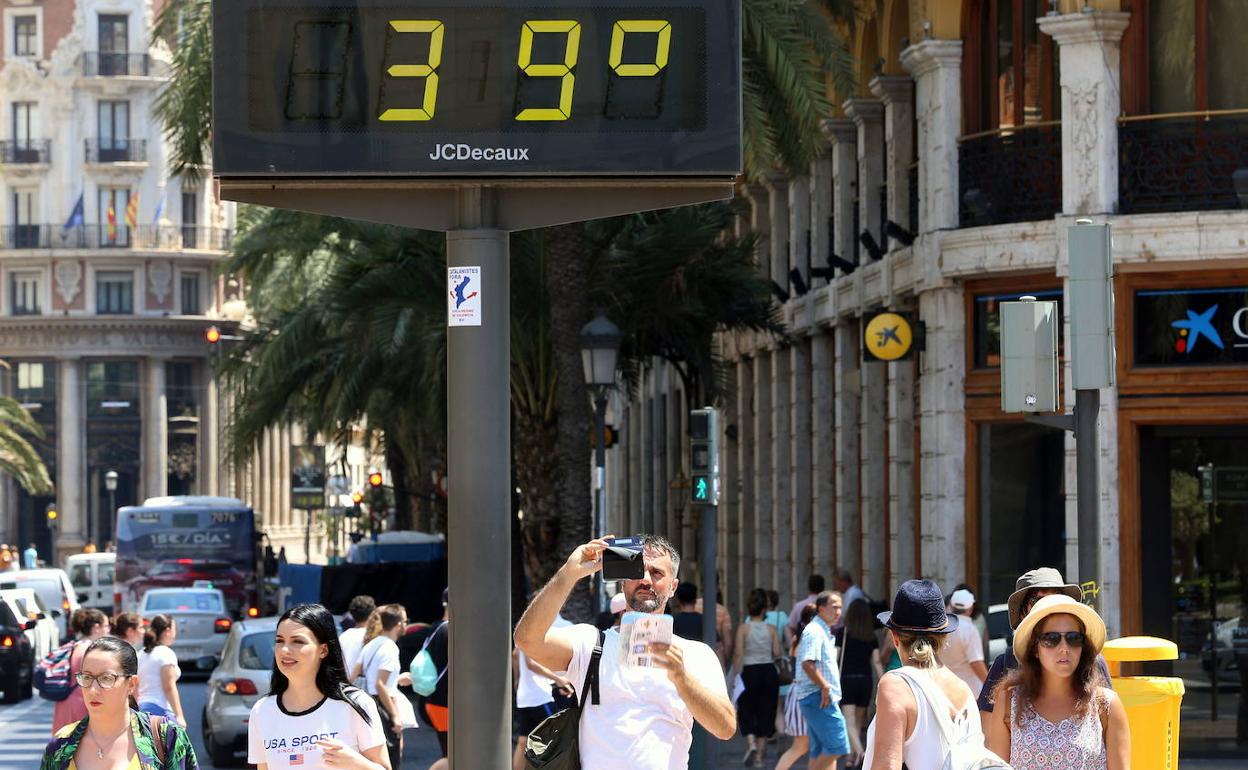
(425, 674)
(965, 753)
(53, 676)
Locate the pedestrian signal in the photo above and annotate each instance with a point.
(704, 456)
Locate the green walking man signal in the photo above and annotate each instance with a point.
(704, 456)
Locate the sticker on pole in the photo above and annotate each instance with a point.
(463, 302)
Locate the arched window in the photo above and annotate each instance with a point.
(1197, 55)
(1010, 66)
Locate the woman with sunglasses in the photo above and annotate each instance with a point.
(115, 735)
(1056, 710)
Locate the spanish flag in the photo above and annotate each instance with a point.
(132, 212)
(112, 220)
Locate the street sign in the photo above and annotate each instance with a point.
(887, 336)
(307, 477)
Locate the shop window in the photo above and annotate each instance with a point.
(114, 293)
(1197, 55)
(987, 319)
(1013, 66)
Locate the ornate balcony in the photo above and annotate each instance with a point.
(1010, 175)
(116, 150)
(30, 151)
(1181, 162)
(101, 236)
(122, 65)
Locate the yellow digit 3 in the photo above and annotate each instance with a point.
(564, 70)
(427, 71)
(623, 27)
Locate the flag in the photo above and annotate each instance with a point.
(296, 759)
(132, 212)
(160, 209)
(112, 220)
(76, 217)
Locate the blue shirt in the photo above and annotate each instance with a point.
(818, 645)
(31, 558)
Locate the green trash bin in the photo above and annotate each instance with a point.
(1152, 702)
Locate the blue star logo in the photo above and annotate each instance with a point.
(1196, 325)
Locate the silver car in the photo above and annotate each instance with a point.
(200, 616)
(240, 679)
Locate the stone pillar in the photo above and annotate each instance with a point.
(799, 230)
(942, 386)
(210, 470)
(263, 485)
(763, 532)
(803, 546)
(844, 137)
(1089, 45)
(747, 499)
(901, 491)
(847, 404)
(155, 430)
(71, 466)
(823, 453)
(868, 117)
(282, 463)
(874, 463)
(760, 223)
(897, 94)
(634, 446)
(778, 185)
(729, 503)
(820, 212)
(782, 470)
(936, 66)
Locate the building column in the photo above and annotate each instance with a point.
(868, 117)
(763, 532)
(209, 435)
(634, 445)
(729, 502)
(747, 500)
(778, 186)
(801, 558)
(874, 464)
(71, 466)
(799, 231)
(942, 400)
(844, 137)
(155, 430)
(820, 212)
(823, 453)
(782, 471)
(847, 404)
(1089, 45)
(760, 223)
(897, 94)
(901, 507)
(936, 66)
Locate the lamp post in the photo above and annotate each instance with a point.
(600, 351)
(110, 483)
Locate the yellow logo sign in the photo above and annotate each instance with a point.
(888, 337)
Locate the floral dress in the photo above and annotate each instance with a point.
(1075, 743)
(178, 752)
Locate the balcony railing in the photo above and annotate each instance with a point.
(25, 151)
(121, 65)
(1010, 175)
(116, 150)
(156, 237)
(1181, 162)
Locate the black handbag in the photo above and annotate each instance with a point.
(555, 744)
(784, 669)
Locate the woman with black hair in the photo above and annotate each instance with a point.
(159, 671)
(312, 718)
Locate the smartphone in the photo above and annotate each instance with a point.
(622, 560)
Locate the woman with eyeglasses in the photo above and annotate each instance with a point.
(1056, 710)
(88, 624)
(159, 671)
(114, 734)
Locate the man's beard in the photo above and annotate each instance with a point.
(647, 605)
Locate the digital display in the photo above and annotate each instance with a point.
(324, 88)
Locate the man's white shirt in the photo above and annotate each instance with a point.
(641, 722)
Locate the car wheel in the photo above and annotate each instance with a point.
(222, 756)
(12, 691)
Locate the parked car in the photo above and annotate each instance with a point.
(92, 576)
(199, 614)
(1228, 661)
(1000, 635)
(241, 678)
(181, 573)
(17, 656)
(54, 589)
(27, 606)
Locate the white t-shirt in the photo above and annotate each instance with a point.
(283, 739)
(533, 689)
(351, 641)
(381, 654)
(964, 648)
(641, 723)
(151, 689)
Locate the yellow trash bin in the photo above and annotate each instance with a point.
(1152, 702)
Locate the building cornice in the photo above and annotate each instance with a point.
(75, 336)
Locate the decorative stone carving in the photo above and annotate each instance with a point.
(1084, 131)
(159, 280)
(68, 280)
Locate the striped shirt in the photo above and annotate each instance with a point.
(818, 645)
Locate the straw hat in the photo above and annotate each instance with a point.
(1060, 604)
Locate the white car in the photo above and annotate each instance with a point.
(26, 604)
(200, 616)
(240, 679)
(92, 576)
(1000, 635)
(54, 590)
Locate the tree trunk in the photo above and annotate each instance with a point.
(567, 280)
(535, 468)
(397, 462)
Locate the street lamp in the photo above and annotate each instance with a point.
(600, 352)
(110, 483)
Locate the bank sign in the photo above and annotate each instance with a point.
(1191, 327)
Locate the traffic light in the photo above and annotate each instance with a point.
(375, 479)
(54, 517)
(213, 335)
(357, 497)
(704, 456)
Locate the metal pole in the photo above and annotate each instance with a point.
(479, 468)
(710, 514)
(600, 493)
(1088, 493)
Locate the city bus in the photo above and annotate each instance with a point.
(182, 541)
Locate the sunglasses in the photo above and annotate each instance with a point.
(1054, 638)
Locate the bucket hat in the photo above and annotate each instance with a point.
(1042, 577)
(1060, 604)
(919, 608)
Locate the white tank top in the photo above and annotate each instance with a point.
(925, 749)
(757, 644)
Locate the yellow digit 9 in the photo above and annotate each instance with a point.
(568, 83)
(623, 27)
(428, 71)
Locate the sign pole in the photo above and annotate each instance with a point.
(478, 363)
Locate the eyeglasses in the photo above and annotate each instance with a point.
(106, 681)
(1054, 638)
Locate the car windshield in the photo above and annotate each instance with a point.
(183, 601)
(256, 651)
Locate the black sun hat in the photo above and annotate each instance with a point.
(919, 608)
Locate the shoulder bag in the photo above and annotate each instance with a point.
(555, 744)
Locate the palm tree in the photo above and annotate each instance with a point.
(17, 457)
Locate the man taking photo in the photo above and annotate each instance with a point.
(645, 716)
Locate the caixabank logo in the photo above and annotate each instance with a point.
(1196, 326)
